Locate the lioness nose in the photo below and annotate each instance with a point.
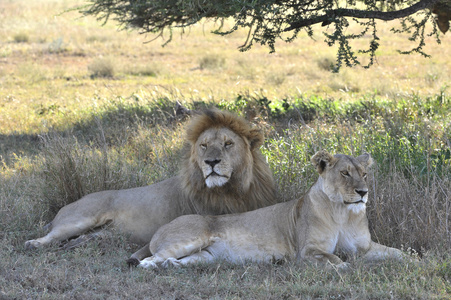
(362, 193)
(212, 163)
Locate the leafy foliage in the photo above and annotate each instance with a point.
(269, 20)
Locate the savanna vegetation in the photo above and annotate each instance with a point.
(85, 108)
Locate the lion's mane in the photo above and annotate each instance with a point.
(251, 187)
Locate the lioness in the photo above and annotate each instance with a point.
(223, 171)
(330, 216)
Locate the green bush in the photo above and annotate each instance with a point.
(21, 37)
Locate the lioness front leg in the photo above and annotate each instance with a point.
(379, 252)
(324, 258)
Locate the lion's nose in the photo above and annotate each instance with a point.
(212, 163)
(362, 193)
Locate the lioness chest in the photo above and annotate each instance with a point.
(351, 239)
(350, 236)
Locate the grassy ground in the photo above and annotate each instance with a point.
(86, 108)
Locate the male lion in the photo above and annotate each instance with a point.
(223, 171)
(329, 217)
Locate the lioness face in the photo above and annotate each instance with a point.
(345, 180)
(219, 154)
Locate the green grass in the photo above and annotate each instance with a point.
(65, 133)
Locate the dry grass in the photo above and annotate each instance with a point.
(65, 133)
(409, 209)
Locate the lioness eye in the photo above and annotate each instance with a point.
(364, 175)
(344, 173)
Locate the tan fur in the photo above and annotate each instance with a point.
(330, 217)
(245, 183)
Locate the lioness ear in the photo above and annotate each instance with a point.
(365, 159)
(255, 138)
(322, 159)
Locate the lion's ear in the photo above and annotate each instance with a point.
(365, 159)
(322, 159)
(255, 138)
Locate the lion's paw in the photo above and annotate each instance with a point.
(32, 245)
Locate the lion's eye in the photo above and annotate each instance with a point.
(203, 146)
(364, 175)
(345, 173)
(228, 144)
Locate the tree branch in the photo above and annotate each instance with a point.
(330, 15)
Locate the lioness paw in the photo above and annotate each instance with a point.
(148, 263)
(341, 267)
(171, 262)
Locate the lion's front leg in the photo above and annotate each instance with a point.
(378, 252)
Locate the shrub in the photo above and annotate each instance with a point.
(102, 67)
(21, 38)
(151, 70)
(326, 63)
(211, 62)
(57, 46)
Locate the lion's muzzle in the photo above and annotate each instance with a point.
(356, 202)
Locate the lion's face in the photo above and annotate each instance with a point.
(223, 170)
(219, 153)
(344, 178)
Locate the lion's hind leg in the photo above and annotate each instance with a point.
(61, 231)
(56, 234)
